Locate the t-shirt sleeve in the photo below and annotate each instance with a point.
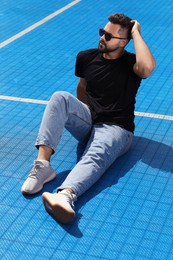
(131, 59)
(79, 65)
(131, 62)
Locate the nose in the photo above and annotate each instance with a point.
(103, 37)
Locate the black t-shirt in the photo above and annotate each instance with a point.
(111, 87)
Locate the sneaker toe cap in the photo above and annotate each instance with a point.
(30, 187)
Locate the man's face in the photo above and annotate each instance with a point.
(113, 44)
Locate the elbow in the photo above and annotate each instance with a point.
(149, 69)
(146, 71)
(151, 66)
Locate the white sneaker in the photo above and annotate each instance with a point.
(60, 205)
(38, 176)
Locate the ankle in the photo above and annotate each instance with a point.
(68, 190)
(44, 153)
(45, 162)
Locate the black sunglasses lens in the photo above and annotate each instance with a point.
(107, 35)
(101, 32)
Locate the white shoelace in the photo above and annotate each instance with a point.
(35, 170)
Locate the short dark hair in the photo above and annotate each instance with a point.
(123, 21)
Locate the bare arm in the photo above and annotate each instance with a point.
(81, 90)
(145, 62)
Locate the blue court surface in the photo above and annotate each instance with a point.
(128, 213)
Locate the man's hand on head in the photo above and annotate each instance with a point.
(136, 27)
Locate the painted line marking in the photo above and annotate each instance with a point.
(44, 20)
(158, 116)
(25, 100)
(44, 102)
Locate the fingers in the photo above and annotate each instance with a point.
(133, 21)
(136, 26)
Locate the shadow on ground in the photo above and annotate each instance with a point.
(155, 154)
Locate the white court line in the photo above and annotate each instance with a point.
(158, 116)
(44, 102)
(25, 100)
(32, 27)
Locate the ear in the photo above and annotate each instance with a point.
(123, 43)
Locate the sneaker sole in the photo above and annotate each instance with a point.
(56, 210)
(51, 178)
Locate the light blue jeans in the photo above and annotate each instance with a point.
(104, 142)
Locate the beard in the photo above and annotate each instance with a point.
(104, 49)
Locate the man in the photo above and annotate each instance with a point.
(102, 115)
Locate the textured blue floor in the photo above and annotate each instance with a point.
(126, 215)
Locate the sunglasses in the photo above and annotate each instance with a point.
(109, 36)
